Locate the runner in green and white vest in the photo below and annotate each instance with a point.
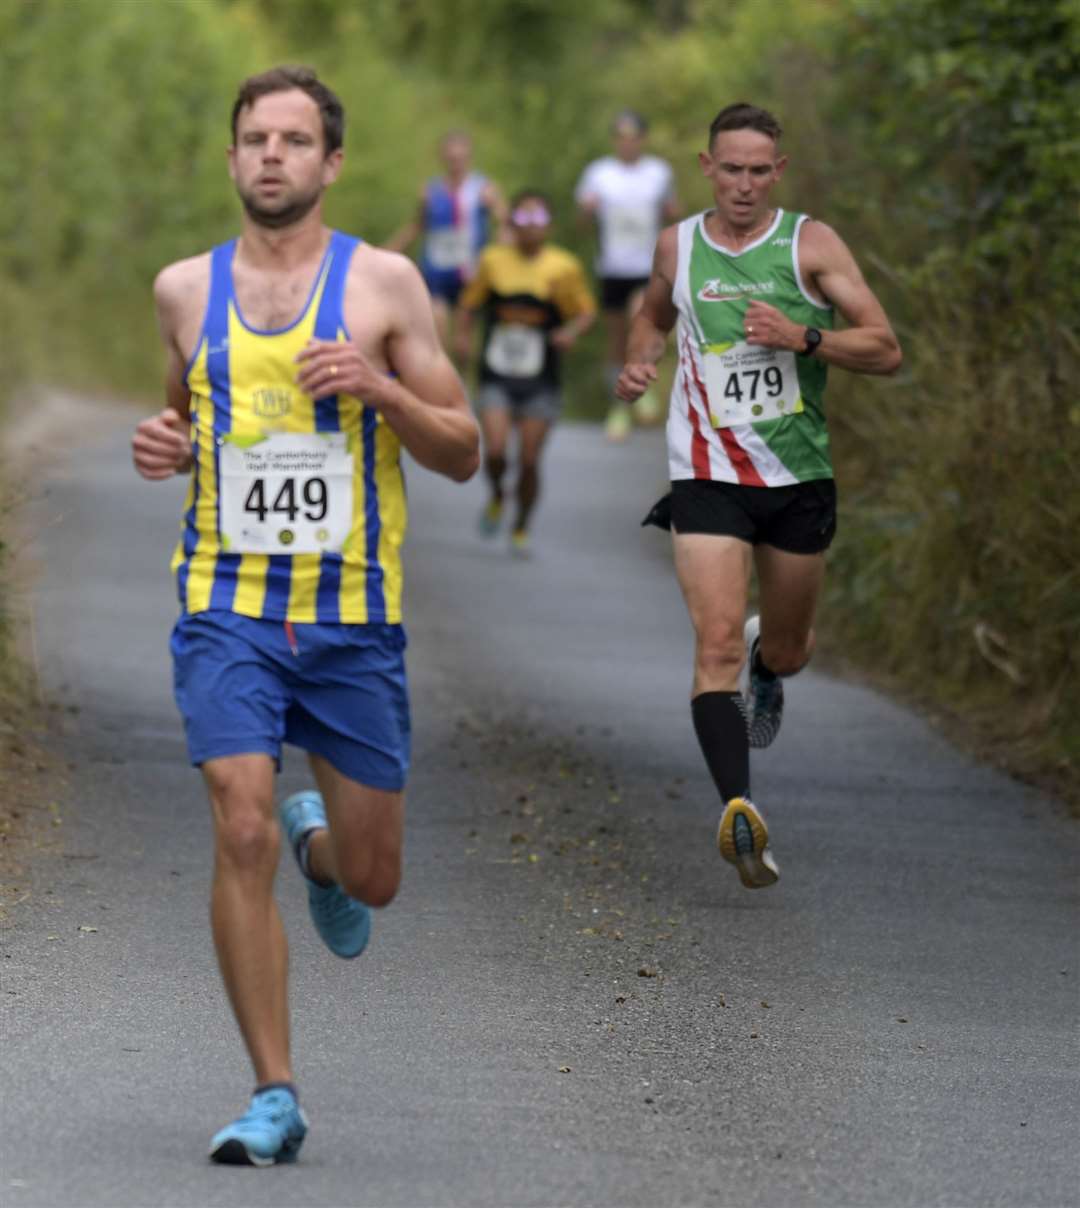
(751, 291)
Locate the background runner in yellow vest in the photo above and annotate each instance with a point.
(535, 303)
(299, 361)
(751, 292)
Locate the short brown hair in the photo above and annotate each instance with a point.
(744, 116)
(284, 79)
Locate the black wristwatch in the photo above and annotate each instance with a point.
(813, 339)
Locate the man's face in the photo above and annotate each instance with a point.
(456, 156)
(530, 223)
(628, 142)
(278, 164)
(742, 167)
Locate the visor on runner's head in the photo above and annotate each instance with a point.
(531, 215)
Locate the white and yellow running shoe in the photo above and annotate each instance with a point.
(618, 423)
(743, 840)
(647, 410)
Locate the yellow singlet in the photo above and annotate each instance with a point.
(244, 396)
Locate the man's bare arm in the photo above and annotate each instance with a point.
(650, 327)
(867, 345)
(500, 212)
(425, 404)
(160, 446)
(406, 235)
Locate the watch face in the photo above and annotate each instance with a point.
(813, 339)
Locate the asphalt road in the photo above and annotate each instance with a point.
(573, 1000)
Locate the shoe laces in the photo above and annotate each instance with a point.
(765, 694)
(334, 904)
(268, 1107)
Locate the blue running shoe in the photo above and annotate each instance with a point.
(764, 698)
(271, 1130)
(343, 923)
(743, 839)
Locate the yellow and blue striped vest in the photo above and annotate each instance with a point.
(243, 383)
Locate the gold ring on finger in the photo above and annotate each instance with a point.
(333, 370)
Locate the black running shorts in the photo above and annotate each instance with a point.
(615, 292)
(799, 519)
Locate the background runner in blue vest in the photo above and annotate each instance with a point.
(751, 476)
(457, 214)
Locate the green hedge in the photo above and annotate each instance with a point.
(938, 136)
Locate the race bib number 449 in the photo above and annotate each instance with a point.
(748, 384)
(286, 493)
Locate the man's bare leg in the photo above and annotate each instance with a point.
(361, 849)
(533, 433)
(495, 429)
(714, 574)
(789, 587)
(780, 641)
(248, 935)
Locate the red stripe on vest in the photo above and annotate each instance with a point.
(745, 470)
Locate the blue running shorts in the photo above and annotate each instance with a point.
(245, 685)
(444, 284)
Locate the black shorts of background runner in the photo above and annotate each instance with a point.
(615, 291)
(799, 519)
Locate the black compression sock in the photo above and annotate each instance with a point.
(720, 724)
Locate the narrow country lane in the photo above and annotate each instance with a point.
(573, 1000)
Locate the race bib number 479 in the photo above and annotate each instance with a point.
(286, 493)
(748, 384)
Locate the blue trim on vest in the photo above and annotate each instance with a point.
(329, 320)
(376, 598)
(329, 324)
(277, 584)
(227, 565)
(439, 214)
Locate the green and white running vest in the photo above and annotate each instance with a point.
(739, 412)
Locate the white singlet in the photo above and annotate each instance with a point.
(630, 200)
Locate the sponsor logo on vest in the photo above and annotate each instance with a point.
(271, 402)
(724, 291)
(781, 242)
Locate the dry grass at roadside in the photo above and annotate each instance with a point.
(955, 576)
(31, 776)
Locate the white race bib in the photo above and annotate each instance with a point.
(514, 350)
(286, 493)
(449, 247)
(631, 229)
(748, 384)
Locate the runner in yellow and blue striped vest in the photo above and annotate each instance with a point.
(300, 361)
